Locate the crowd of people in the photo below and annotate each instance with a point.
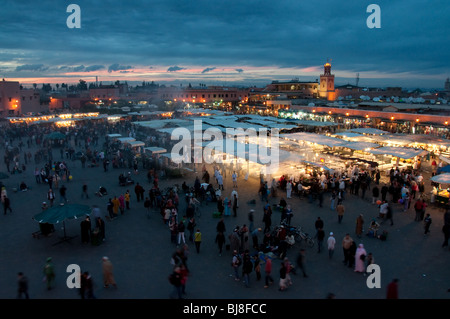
(254, 246)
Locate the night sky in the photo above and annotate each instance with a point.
(217, 42)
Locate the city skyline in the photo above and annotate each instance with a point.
(225, 42)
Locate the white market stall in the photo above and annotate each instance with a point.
(442, 193)
(397, 154)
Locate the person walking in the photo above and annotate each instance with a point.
(257, 266)
(375, 194)
(181, 228)
(175, 280)
(318, 224)
(247, 268)
(139, 191)
(346, 245)
(220, 241)
(234, 178)
(191, 227)
(110, 209)
(85, 226)
(236, 262)
(62, 194)
(147, 206)
(197, 240)
(320, 237)
(340, 211)
(427, 223)
(51, 197)
(88, 286)
(127, 199)
(84, 191)
(116, 204)
(251, 219)
(331, 243)
(268, 271)
(235, 205)
(121, 204)
(360, 259)
(282, 283)
(418, 206)
(6, 204)
(288, 265)
(22, 289)
(390, 214)
(108, 275)
(49, 273)
(100, 225)
(267, 219)
(359, 225)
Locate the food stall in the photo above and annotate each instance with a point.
(442, 192)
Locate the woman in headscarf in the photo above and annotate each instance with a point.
(360, 258)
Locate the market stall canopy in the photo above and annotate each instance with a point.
(315, 138)
(60, 213)
(368, 130)
(114, 135)
(444, 169)
(126, 139)
(261, 154)
(135, 143)
(55, 136)
(361, 146)
(401, 152)
(155, 150)
(441, 178)
(444, 159)
(318, 165)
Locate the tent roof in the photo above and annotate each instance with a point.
(135, 143)
(126, 139)
(401, 152)
(315, 138)
(368, 130)
(155, 149)
(441, 178)
(60, 213)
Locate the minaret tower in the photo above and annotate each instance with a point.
(326, 88)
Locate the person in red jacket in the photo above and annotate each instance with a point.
(392, 290)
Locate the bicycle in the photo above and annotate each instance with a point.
(300, 235)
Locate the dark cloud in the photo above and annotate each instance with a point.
(118, 67)
(175, 69)
(229, 34)
(239, 70)
(208, 70)
(94, 68)
(78, 68)
(31, 67)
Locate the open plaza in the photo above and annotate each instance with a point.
(140, 244)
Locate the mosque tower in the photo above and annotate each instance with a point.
(326, 86)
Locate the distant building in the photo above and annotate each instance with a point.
(206, 94)
(15, 101)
